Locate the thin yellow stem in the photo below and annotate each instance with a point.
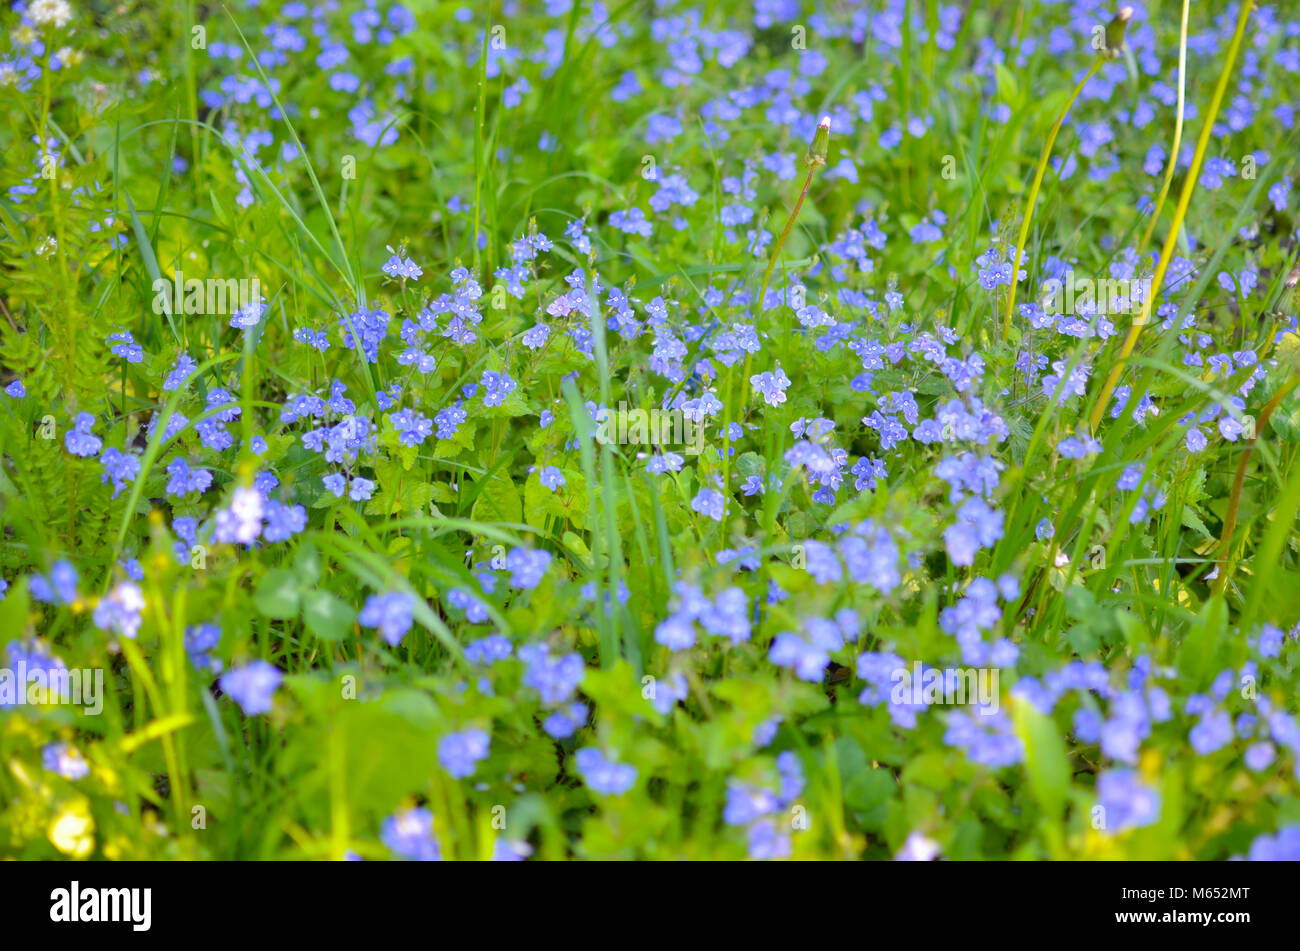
(749, 359)
(1184, 199)
(1033, 194)
(767, 275)
(1172, 161)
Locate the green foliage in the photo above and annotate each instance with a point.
(724, 620)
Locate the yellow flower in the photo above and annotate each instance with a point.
(72, 831)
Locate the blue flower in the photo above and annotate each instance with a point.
(765, 732)
(632, 221)
(977, 526)
(79, 440)
(122, 344)
(181, 370)
(460, 753)
(987, 738)
(65, 760)
(1213, 732)
(668, 692)
(390, 613)
(496, 387)
(1282, 847)
(745, 803)
(449, 420)
(709, 502)
(766, 841)
(252, 686)
(551, 478)
(409, 834)
(61, 586)
(807, 660)
(402, 267)
(1260, 756)
(1131, 477)
(668, 462)
(200, 641)
(1215, 170)
(283, 521)
(1271, 639)
(510, 850)
(1126, 802)
(121, 611)
(335, 483)
(120, 467)
(535, 337)
(1278, 193)
(527, 567)
(412, 427)
(488, 650)
(183, 480)
(247, 316)
(772, 385)
(566, 721)
(555, 678)
(603, 775)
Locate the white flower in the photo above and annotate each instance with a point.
(50, 12)
(121, 610)
(918, 848)
(242, 522)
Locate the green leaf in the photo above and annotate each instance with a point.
(13, 611)
(146, 252)
(399, 491)
(327, 616)
(1084, 639)
(869, 788)
(1196, 657)
(277, 594)
(498, 501)
(1046, 763)
(1135, 632)
(750, 464)
(1193, 521)
(306, 565)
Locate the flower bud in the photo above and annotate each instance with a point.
(820, 143)
(1115, 30)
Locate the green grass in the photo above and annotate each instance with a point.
(232, 160)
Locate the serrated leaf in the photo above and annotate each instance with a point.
(498, 501)
(750, 464)
(1193, 521)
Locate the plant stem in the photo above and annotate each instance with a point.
(1033, 194)
(1230, 518)
(767, 275)
(1172, 161)
(1184, 199)
(749, 358)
